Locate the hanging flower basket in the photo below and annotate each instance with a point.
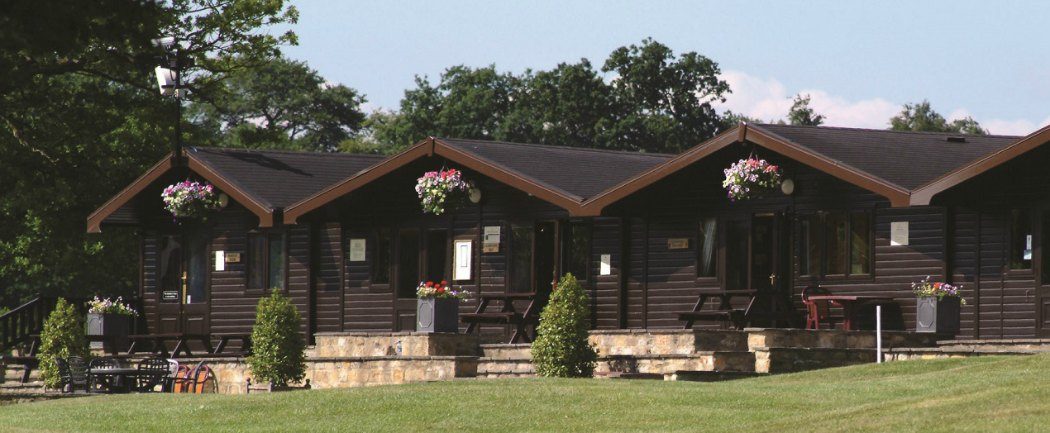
(441, 190)
(190, 199)
(749, 178)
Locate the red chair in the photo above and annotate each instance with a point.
(818, 312)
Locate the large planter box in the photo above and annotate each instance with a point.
(437, 315)
(108, 325)
(939, 316)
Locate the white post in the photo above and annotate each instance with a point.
(878, 334)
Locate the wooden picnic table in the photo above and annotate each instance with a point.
(851, 305)
(158, 343)
(507, 314)
(724, 312)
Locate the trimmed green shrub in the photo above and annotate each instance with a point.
(277, 346)
(62, 337)
(561, 348)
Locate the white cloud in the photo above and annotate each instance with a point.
(768, 99)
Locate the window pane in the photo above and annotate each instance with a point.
(860, 244)
(809, 258)
(277, 260)
(408, 263)
(706, 247)
(381, 261)
(197, 268)
(437, 255)
(257, 262)
(1044, 244)
(1020, 240)
(171, 269)
(836, 241)
(521, 259)
(577, 250)
(736, 255)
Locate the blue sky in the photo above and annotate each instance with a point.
(859, 60)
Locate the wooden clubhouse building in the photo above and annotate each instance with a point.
(866, 212)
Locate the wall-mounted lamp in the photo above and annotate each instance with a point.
(223, 200)
(787, 186)
(474, 195)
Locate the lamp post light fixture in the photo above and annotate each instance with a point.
(169, 80)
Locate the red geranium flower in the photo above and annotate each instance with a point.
(430, 284)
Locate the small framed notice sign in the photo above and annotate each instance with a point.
(606, 265)
(462, 260)
(899, 233)
(357, 250)
(678, 243)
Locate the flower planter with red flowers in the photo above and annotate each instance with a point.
(937, 307)
(437, 307)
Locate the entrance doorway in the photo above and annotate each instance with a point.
(184, 284)
(757, 254)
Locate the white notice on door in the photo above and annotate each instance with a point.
(462, 257)
(357, 250)
(899, 233)
(220, 260)
(606, 265)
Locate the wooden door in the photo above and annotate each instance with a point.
(184, 280)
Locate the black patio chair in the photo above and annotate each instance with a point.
(73, 373)
(102, 383)
(151, 372)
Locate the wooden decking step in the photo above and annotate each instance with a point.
(711, 376)
(644, 376)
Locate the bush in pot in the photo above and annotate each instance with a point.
(561, 348)
(277, 346)
(62, 337)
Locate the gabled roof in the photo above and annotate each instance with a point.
(889, 163)
(924, 194)
(264, 182)
(563, 176)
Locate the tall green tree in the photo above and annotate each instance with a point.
(283, 104)
(80, 118)
(801, 113)
(645, 97)
(922, 117)
(664, 101)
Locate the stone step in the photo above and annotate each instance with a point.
(1028, 345)
(793, 359)
(923, 353)
(375, 344)
(13, 373)
(34, 387)
(835, 338)
(636, 376)
(505, 367)
(505, 375)
(665, 364)
(710, 376)
(507, 351)
(666, 341)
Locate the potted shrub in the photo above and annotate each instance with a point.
(61, 337)
(442, 190)
(278, 349)
(191, 199)
(937, 307)
(437, 307)
(109, 318)
(749, 178)
(561, 348)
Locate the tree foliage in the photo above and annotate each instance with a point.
(80, 118)
(277, 346)
(801, 113)
(62, 337)
(561, 348)
(922, 117)
(281, 104)
(644, 98)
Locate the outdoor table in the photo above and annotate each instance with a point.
(724, 312)
(851, 305)
(507, 313)
(113, 379)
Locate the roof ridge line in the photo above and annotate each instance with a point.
(284, 151)
(574, 148)
(853, 128)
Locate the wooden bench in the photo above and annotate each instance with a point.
(507, 315)
(224, 340)
(724, 312)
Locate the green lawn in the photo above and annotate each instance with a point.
(979, 394)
